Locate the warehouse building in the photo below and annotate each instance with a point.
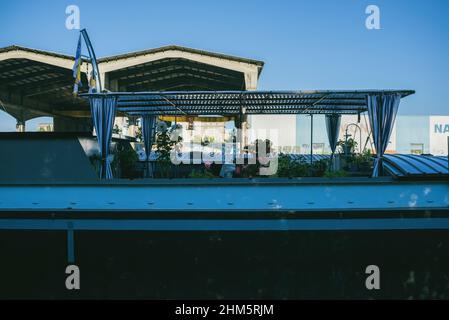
(412, 134)
(35, 83)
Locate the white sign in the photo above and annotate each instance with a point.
(439, 131)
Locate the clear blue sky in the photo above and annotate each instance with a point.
(319, 44)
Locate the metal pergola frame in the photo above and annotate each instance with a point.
(233, 103)
(239, 104)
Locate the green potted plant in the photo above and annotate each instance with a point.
(166, 139)
(347, 147)
(124, 163)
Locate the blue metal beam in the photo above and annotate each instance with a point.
(70, 243)
(225, 225)
(309, 195)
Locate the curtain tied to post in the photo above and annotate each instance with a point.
(382, 110)
(103, 110)
(148, 131)
(333, 129)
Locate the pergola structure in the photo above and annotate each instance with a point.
(381, 105)
(233, 103)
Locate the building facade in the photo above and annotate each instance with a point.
(411, 134)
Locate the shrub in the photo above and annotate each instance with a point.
(124, 162)
(335, 174)
(287, 167)
(198, 174)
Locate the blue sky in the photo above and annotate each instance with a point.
(320, 44)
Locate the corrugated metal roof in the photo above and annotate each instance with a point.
(44, 89)
(246, 102)
(402, 165)
(47, 88)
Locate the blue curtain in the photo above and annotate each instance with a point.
(103, 115)
(148, 130)
(382, 110)
(333, 129)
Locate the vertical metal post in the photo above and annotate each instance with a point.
(311, 138)
(240, 132)
(98, 88)
(70, 244)
(103, 149)
(20, 126)
(93, 60)
(238, 154)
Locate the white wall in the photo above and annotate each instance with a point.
(283, 125)
(438, 133)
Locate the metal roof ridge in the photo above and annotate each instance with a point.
(140, 52)
(182, 48)
(39, 51)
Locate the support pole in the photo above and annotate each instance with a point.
(20, 126)
(241, 134)
(103, 152)
(239, 140)
(70, 244)
(311, 138)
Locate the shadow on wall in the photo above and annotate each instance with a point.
(42, 155)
